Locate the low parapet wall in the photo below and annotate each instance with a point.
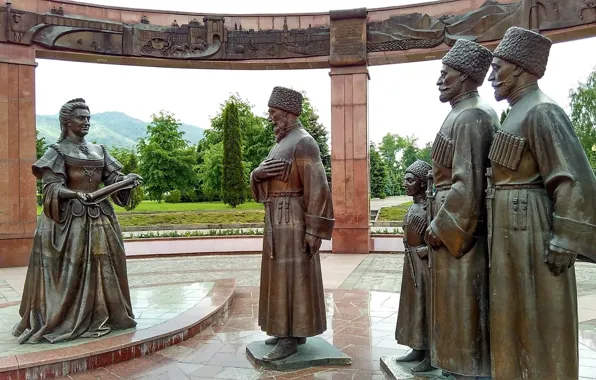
(231, 245)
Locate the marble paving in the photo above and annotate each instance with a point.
(151, 306)
(362, 297)
(359, 323)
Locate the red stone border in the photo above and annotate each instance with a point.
(107, 351)
(205, 237)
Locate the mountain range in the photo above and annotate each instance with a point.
(114, 129)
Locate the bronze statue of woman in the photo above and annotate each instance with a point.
(76, 284)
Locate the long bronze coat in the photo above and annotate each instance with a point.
(414, 299)
(76, 284)
(291, 299)
(545, 194)
(459, 269)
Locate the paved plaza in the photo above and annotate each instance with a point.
(362, 296)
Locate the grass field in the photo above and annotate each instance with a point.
(151, 206)
(150, 213)
(190, 217)
(394, 213)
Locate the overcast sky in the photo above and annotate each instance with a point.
(403, 98)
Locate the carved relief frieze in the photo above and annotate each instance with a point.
(187, 41)
(421, 31)
(284, 43)
(555, 14)
(347, 38)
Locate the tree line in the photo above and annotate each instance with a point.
(389, 160)
(219, 166)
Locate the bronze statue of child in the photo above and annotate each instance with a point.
(412, 321)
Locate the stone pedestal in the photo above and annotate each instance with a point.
(316, 351)
(349, 159)
(401, 371)
(17, 154)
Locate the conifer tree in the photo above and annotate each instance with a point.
(233, 184)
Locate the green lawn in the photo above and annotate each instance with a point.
(191, 217)
(151, 206)
(150, 213)
(394, 213)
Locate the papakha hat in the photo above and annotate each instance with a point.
(286, 99)
(526, 49)
(469, 57)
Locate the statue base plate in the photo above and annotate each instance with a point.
(315, 352)
(401, 371)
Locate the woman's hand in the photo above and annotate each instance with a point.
(137, 179)
(84, 197)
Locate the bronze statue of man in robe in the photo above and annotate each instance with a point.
(292, 184)
(76, 284)
(457, 233)
(543, 205)
(414, 299)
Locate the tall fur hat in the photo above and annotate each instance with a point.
(470, 58)
(419, 169)
(526, 49)
(286, 99)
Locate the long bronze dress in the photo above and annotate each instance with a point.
(545, 193)
(291, 299)
(459, 269)
(76, 284)
(414, 299)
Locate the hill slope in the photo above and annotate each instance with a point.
(114, 129)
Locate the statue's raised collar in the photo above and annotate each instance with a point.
(459, 98)
(519, 93)
(293, 128)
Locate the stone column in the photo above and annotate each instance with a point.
(349, 130)
(17, 154)
(349, 159)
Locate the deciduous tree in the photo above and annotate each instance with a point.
(40, 148)
(310, 120)
(378, 173)
(583, 115)
(504, 114)
(130, 164)
(167, 161)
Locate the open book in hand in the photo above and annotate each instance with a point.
(106, 191)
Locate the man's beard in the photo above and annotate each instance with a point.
(281, 129)
(504, 88)
(450, 92)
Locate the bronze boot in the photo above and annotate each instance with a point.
(412, 356)
(273, 341)
(284, 348)
(424, 366)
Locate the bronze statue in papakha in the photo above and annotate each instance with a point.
(412, 327)
(76, 284)
(542, 198)
(292, 184)
(459, 337)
